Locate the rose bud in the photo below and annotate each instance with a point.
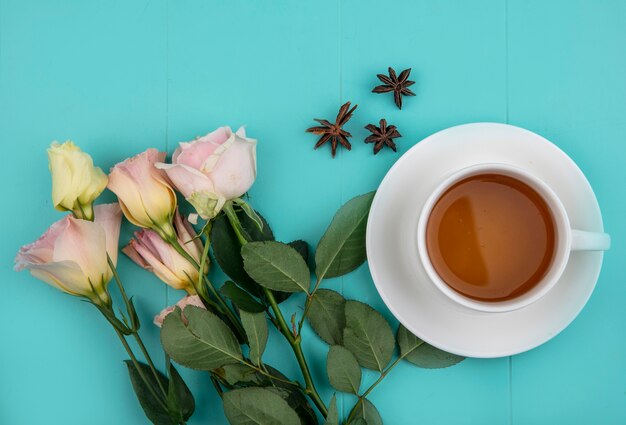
(152, 253)
(213, 169)
(193, 300)
(76, 183)
(72, 254)
(145, 196)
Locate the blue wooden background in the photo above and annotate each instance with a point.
(118, 76)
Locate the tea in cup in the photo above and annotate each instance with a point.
(494, 237)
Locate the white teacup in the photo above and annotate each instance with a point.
(567, 239)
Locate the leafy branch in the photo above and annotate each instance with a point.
(165, 400)
(264, 273)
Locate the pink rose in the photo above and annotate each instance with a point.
(213, 169)
(188, 300)
(72, 254)
(152, 253)
(145, 196)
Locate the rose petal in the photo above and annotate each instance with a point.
(235, 169)
(193, 300)
(75, 181)
(156, 266)
(64, 275)
(187, 180)
(109, 217)
(42, 250)
(158, 319)
(186, 234)
(145, 196)
(131, 252)
(84, 242)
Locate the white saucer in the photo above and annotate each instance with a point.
(398, 273)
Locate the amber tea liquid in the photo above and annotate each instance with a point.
(491, 237)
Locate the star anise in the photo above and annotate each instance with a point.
(382, 135)
(334, 132)
(397, 84)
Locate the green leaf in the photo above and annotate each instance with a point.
(241, 298)
(422, 354)
(302, 247)
(253, 230)
(327, 316)
(282, 392)
(277, 266)
(204, 343)
(258, 406)
(255, 325)
(135, 324)
(252, 215)
(368, 336)
(281, 296)
(344, 372)
(342, 248)
(239, 374)
(300, 404)
(332, 418)
(297, 401)
(179, 396)
(150, 405)
(244, 376)
(367, 412)
(227, 249)
(278, 374)
(109, 314)
(358, 421)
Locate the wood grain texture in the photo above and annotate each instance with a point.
(123, 75)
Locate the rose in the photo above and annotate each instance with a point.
(76, 183)
(213, 169)
(145, 196)
(193, 300)
(152, 253)
(72, 254)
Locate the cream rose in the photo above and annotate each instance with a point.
(76, 183)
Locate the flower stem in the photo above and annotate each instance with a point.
(135, 327)
(307, 305)
(120, 286)
(235, 223)
(264, 372)
(294, 341)
(205, 256)
(150, 362)
(371, 387)
(221, 303)
(296, 345)
(140, 370)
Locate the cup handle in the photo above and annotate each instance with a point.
(590, 241)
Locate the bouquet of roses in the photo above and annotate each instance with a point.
(222, 331)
